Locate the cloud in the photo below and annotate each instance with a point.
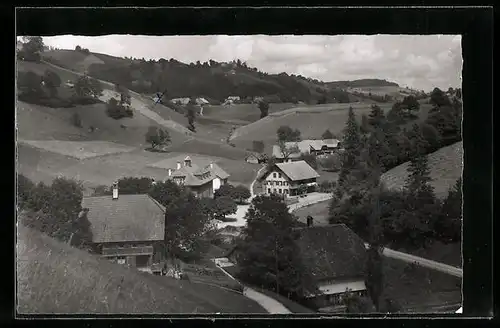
(419, 61)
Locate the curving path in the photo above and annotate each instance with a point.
(423, 262)
(269, 304)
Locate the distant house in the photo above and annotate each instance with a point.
(181, 101)
(128, 229)
(313, 147)
(256, 158)
(231, 100)
(202, 181)
(335, 257)
(290, 179)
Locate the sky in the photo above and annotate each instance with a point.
(417, 61)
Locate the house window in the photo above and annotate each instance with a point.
(120, 259)
(286, 191)
(269, 190)
(279, 190)
(274, 175)
(274, 190)
(279, 175)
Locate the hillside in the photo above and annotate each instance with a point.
(53, 277)
(446, 165)
(212, 80)
(311, 121)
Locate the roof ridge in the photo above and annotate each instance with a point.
(157, 203)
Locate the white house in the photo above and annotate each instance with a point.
(203, 181)
(290, 179)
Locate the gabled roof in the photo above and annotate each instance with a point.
(332, 252)
(195, 176)
(126, 219)
(299, 170)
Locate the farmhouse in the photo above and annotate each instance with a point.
(335, 257)
(290, 179)
(202, 181)
(313, 147)
(256, 158)
(128, 229)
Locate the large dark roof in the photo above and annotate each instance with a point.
(332, 252)
(126, 219)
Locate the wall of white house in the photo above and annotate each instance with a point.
(276, 182)
(216, 183)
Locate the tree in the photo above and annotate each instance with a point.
(116, 110)
(264, 108)
(218, 208)
(357, 304)
(287, 150)
(418, 143)
(134, 185)
(24, 189)
(32, 48)
(287, 134)
(29, 84)
(327, 135)
(411, 103)
(52, 82)
(258, 146)
(240, 193)
(439, 98)
(268, 253)
(376, 117)
(431, 136)
(55, 208)
(365, 125)
(449, 225)
(190, 114)
(351, 144)
(157, 137)
(185, 221)
(88, 87)
(78, 48)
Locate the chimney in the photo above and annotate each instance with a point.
(115, 191)
(211, 165)
(170, 172)
(187, 161)
(178, 165)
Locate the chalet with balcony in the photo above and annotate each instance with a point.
(127, 229)
(290, 179)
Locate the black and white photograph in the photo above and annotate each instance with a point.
(239, 174)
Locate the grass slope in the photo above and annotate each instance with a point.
(446, 165)
(312, 121)
(55, 278)
(43, 123)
